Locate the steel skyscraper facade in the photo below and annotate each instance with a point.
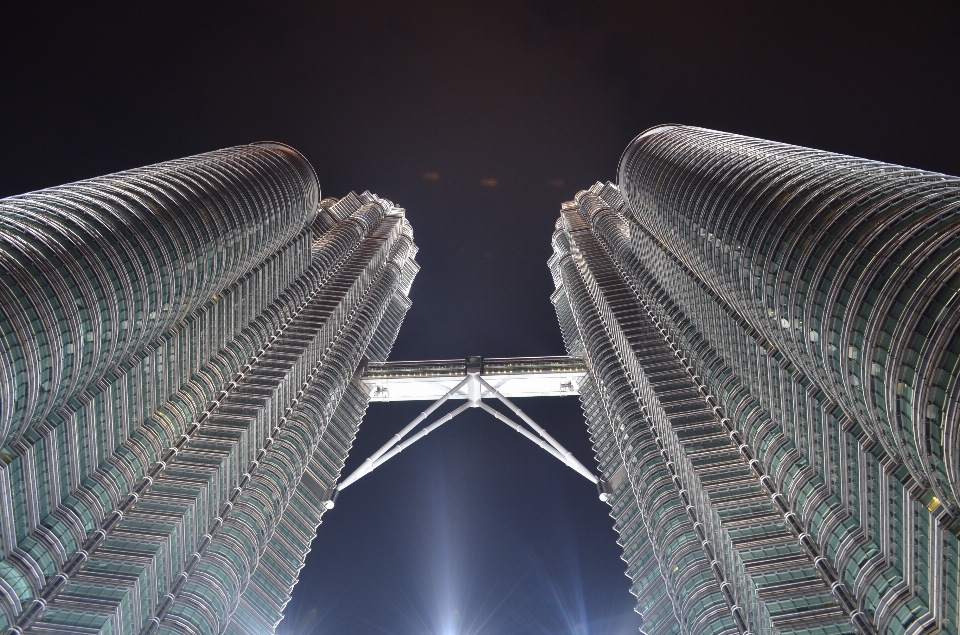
(765, 341)
(180, 346)
(771, 337)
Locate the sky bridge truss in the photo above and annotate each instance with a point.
(472, 379)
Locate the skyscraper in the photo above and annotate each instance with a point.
(765, 342)
(179, 386)
(771, 337)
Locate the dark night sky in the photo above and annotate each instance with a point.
(471, 532)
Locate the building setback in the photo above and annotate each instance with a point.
(771, 337)
(179, 387)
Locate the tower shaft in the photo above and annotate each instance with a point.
(747, 312)
(181, 345)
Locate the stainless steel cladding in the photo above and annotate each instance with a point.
(850, 267)
(771, 336)
(94, 270)
(180, 389)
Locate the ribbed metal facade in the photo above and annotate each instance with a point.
(772, 340)
(179, 351)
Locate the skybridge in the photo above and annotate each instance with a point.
(472, 380)
(510, 377)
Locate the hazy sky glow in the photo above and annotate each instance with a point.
(480, 119)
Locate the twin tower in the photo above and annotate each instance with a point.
(768, 338)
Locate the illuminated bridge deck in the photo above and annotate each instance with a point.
(429, 380)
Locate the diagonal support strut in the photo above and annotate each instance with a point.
(475, 385)
(568, 457)
(368, 465)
